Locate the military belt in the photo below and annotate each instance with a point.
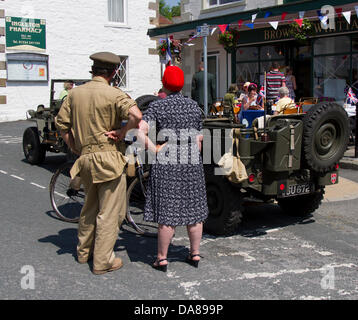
(91, 148)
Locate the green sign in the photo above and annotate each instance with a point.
(25, 34)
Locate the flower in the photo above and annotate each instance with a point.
(175, 47)
(229, 39)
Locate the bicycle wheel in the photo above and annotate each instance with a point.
(66, 201)
(136, 193)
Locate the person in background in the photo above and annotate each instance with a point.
(251, 100)
(285, 102)
(245, 92)
(197, 87)
(161, 93)
(68, 85)
(231, 96)
(291, 83)
(274, 81)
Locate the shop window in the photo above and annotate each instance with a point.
(247, 54)
(331, 75)
(354, 42)
(117, 11)
(27, 67)
(272, 52)
(247, 72)
(332, 45)
(355, 72)
(121, 76)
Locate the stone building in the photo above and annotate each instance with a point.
(43, 40)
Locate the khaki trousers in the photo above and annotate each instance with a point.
(102, 214)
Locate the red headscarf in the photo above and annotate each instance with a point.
(173, 78)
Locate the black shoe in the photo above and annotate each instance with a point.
(159, 267)
(194, 263)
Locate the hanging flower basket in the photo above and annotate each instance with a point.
(175, 49)
(301, 34)
(229, 39)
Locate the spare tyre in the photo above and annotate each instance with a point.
(144, 101)
(325, 136)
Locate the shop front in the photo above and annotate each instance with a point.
(324, 65)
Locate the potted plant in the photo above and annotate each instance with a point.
(229, 39)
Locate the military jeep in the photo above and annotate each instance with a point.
(43, 137)
(288, 161)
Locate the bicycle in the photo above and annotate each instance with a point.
(68, 202)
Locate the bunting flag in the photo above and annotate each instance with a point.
(299, 22)
(250, 25)
(301, 14)
(253, 17)
(319, 15)
(240, 23)
(222, 27)
(168, 54)
(347, 15)
(274, 24)
(283, 16)
(268, 14)
(339, 12)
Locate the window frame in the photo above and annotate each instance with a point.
(125, 16)
(207, 5)
(126, 68)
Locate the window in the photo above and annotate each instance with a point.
(213, 3)
(332, 45)
(117, 11)
(121, 76)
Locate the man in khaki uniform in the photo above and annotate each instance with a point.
(88, 112)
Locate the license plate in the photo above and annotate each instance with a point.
(285, 190)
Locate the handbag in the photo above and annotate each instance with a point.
(231, 163)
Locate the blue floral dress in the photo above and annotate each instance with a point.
(176, 191)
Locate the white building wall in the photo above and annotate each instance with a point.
(75, 30)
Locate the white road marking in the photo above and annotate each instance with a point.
(38, 185)
(190, 291)
(10, 139)
(245, 255)
(61, 195)
(17, 177)
(2, 171)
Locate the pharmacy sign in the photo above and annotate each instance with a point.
(25, 34)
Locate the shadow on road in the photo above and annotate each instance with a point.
(65, 240)
(259, 219)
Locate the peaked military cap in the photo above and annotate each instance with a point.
(105, 60)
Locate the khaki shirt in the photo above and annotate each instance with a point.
(89, 111)
(284, 103)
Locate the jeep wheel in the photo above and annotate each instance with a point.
(225, 208)
(301, 206)
(325, 137)
(144, 101)
(34, 152)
